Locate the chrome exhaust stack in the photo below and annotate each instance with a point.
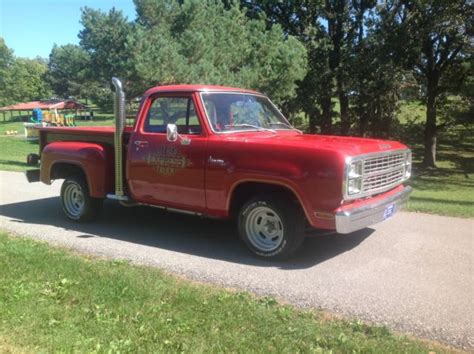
(119, 112)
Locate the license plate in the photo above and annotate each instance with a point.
(389, 211)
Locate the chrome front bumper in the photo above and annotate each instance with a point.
(351, 220)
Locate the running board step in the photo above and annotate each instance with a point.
(122, 198)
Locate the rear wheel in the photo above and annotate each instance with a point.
(76, 201)
(271, 226)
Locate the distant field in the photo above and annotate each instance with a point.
(448, 190)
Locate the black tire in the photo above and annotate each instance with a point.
(278, 226)
(76, 201)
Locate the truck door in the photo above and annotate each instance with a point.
(168, 173)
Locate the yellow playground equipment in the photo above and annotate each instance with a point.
(59, 119)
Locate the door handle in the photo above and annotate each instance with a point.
(141, 143)
(217, 162)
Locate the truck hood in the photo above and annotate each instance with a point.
(350, 146)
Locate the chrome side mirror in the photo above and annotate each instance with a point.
(171, 132)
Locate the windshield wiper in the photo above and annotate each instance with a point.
(250, 126)
(286, 125)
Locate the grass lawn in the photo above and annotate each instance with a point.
(55, 301)
(449, 189)
(14, 149)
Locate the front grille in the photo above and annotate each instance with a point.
(382, 163)
(383, 172)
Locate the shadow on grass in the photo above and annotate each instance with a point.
(440, 183)
(208, 238)
(15, 163)
(441, 201)
(464, 166)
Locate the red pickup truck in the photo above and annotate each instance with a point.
(224, 152)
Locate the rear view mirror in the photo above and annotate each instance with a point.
(172, 132)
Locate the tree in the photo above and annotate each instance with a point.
(6, 62)
(331, 30)
(435, 37)
(202, 41)
(26, 81)
(377, 75)
(21, 79)
(68, 69)
(192, 41)
(300, 18)
(104, 37)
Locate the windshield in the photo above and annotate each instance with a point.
(229, 112)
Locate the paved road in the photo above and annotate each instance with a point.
(414, 273)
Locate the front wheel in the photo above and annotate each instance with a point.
(271, 227)
(77, 204)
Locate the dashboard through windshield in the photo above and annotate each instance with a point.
(231, 112)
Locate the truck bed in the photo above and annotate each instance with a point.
(104, 135)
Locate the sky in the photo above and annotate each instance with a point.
(31, 27)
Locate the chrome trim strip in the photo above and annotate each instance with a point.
(378, 154)
(174, 210)
(351, 220)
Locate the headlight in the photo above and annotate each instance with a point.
(407, 165)
(355, 170)
(354, 177)
(354, 186)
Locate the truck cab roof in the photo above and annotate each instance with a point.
(197, 88)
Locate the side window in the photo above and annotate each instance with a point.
(175, 110)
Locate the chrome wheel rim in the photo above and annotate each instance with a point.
(264, 229)
(74, 200)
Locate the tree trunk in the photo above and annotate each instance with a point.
(344, 106)
(326, 119)
(313, 119)
(363, 124)
(429, 158)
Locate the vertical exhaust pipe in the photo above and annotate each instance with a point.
(119, 112)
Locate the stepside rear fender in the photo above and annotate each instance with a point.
(58, 159)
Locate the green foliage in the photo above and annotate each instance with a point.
(6, 62)
(205, 43)
(104, 37)
(377, 80)
(26, 80)
(348, 60)
(68, 68)
(21, 79)
(368, 54)
(192, 42)
(433, 39)
(51, 300)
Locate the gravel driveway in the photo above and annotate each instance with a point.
(413, 273)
